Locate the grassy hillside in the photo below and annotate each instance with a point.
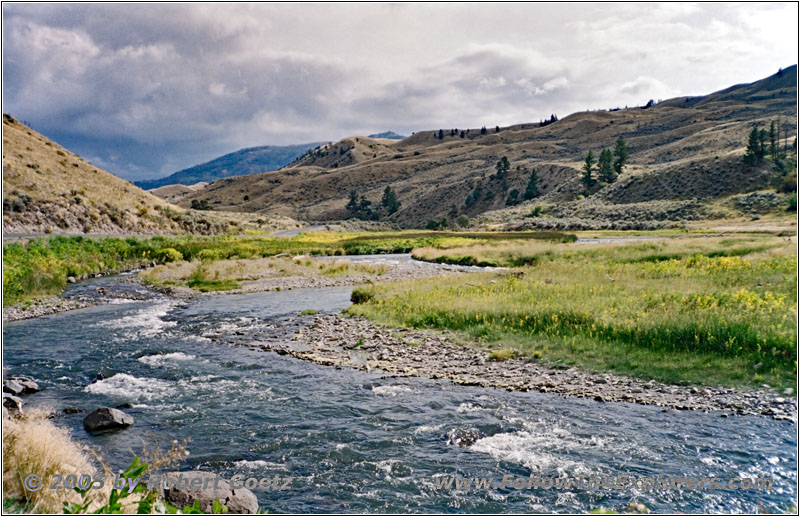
(683, 148)
(174, 192)
(244, 161)
(47, 189)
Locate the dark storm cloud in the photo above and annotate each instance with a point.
(146, 89)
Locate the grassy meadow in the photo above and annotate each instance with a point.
(40, 267)
(707, 310)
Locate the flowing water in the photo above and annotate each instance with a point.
(353, 441)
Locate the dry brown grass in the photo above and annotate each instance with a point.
(57, 190)
(32, 444)
(48, 189)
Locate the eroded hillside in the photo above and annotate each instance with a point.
(683, 148)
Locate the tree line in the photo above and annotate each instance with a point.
(609, 165)
(361, 207)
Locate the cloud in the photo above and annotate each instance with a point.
(147, 89)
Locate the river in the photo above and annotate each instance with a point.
(353, 441)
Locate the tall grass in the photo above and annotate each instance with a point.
(40, 267)
(33, 445)
(609, 309)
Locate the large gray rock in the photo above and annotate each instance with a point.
(106, 419)
(28, 384)
(13, 387)
(12, 403)
(184, 488)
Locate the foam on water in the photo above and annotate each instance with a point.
(161, 359)
(130, 387)
(147, 322)
(536, 451)
(391, 390)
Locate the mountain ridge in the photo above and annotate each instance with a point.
(435, 171)
(248, 160)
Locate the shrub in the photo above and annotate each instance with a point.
(360, 295)
(167, 255)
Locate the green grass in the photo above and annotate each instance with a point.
(40, 267)
(308, 312)
(713, 311)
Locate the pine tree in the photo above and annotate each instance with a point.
(389, 200)
(502, 168)
(773, 141)
(605, 169)
(762, 145)
(620, 155)
(483, 130)
(751, 152)
(513, 197)
(352, 205)
(532, 190)
(441, 135)
(588, 166)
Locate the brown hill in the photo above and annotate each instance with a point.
(688, 147)
(174, 192)
(47, 189)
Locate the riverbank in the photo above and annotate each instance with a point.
(42, 307)
(345, 273)
(354, 342)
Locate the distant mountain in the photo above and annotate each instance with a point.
(388, 134)
(242, 162)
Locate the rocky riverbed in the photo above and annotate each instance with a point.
(43, 307)
(343, 341)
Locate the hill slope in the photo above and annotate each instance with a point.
(683, 147)
(47, 189)
(244, 161)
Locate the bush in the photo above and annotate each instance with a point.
(360, 295)
(168, 255)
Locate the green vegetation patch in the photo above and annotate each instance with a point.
(710, 316)
(40, 267)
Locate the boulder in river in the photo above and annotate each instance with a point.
(28, 384)
(463, 437)
(184, 488)
(13, 387)
(106, 419)
(12, 403)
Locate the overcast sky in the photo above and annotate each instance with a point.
(143, 90)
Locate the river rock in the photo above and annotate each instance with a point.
(187, 487)
(12, 403)
(106, 419)
(13, 387)
(28, 384)
(463, 437)
(71, 279)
